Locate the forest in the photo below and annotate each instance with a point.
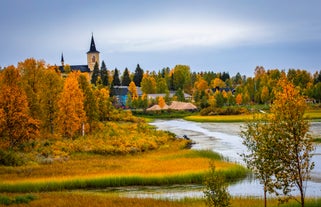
(40, 101)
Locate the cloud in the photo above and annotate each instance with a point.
(168, 34)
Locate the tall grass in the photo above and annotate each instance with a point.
(46, 185)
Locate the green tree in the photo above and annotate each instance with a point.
(216, 193)
(138, 76)
(180, 95)
(182, 77)
(161, 85)
(16, 125)
(96, 74)
(116, 80)
(125, 81)
(104, 74)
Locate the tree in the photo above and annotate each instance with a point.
(104, 104)
(180, 95)
(138, 76)
(71, 116)
(133, 90)
(257, 140)
(265, 94)
(104, 74)
(182, 77)
(148, 84)
(116, 80)
(16, 125)
(281, 148)
(238, 99)
(161, 85)
(218, 83)
(96, 74)
(90, 105)
(51, 86)
(125, 81)
(161, 102)
(216, 192)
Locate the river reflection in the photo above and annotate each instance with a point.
(224, 138)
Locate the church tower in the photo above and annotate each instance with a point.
(92, 55)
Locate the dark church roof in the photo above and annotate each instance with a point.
(81, 68)
(92, 46)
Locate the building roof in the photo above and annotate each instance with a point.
(81, 68)
(92, 46)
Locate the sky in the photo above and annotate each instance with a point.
(208, 35)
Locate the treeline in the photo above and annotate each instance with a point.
(212, 89)
(37, 101)
(40, 101)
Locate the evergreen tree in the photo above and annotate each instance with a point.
(104, 74)
(138, 76)
(116, 80)
(95, 74)
(125, 78)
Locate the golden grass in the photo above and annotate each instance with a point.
(77, 198)
(165, 162)
(220, 118)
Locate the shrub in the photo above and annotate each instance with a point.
(10, 158)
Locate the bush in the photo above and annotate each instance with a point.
(5, 200)
(10, 158)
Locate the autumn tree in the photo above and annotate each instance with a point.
(148, 84)
(125, 81)
(218, 83)
(51, 86)
(90, 104)
(161, 102)
(104, 104)
(133, 90)
(238, 99)
(265, 94)
(71, 116)
(31, 72)
(284, 142)
(16, 125)
(161, 85)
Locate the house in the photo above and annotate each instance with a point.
(121, 92)
(171, 95)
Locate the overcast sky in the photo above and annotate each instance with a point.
(218, 35)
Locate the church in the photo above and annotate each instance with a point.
(92, 59)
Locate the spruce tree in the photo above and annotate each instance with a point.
(104, 74)
(138, 76)
(116, 80)
(96, 74)
(125, 79)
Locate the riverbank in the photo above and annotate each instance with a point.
(166, 166)
(98, 199)
(313, 115)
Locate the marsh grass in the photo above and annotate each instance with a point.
(98, 199)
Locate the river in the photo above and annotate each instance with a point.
(225, 139)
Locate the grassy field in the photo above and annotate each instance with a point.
(75, 199)
(314, 115)
(168, 165)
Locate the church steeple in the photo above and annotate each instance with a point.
(62, 59)
(92, 54)
(92, 45)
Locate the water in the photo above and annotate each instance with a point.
(223, 138)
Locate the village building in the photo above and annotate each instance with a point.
(92, 59)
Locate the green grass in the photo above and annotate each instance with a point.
(220, 118)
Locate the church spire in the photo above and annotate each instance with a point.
(62, 59)
(92, 45)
